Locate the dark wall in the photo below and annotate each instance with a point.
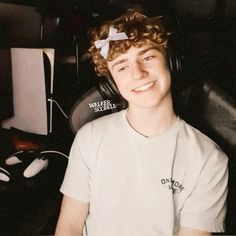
(19, 25)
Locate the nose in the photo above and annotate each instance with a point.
(139, 71)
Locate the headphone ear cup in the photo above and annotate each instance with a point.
(108, 90)
(175, 67)
(169, 60)
(174, 62)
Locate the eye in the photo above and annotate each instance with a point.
(147, 58)
(122, 68)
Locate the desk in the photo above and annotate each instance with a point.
(30, 207)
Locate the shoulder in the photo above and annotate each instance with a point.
(90, 137)
(98, 125)
(198, 144)
(95, 130)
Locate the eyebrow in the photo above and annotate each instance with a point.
(140, 53)
(119, 62)
(149, 49)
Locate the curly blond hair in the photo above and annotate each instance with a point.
(139, 29)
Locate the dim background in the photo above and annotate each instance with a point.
(204, 46)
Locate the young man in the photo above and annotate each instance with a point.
(142, 171)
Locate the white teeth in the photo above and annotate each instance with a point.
(144, 87)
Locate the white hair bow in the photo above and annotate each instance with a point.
(104, 43)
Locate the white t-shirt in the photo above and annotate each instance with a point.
(139, 186)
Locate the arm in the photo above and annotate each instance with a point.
(72, 217)
(205, 207)
(183, 231)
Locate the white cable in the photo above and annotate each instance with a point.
(52, 100)
(50, 118)
(52, 151)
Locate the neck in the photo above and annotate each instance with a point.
(151, 121)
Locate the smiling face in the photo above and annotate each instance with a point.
(142, 76)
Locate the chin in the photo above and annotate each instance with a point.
(152, 103)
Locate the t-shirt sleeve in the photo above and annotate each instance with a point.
(205, 208)
(76, 181)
